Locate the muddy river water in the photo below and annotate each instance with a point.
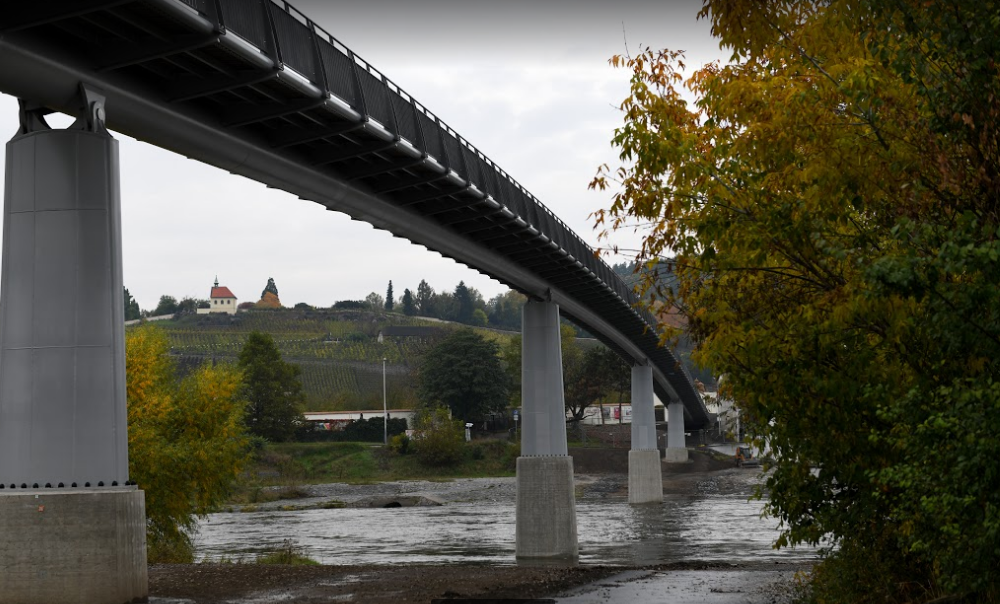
(702, 519)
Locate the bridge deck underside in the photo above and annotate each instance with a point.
(263, 71)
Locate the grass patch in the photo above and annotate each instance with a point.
(285, 464)
(288, 554)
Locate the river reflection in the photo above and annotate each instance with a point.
(704, 528)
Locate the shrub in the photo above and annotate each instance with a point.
(399, 444)
(438, 439)
(349, 305)
(288, 554)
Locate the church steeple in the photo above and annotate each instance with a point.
(216, 281)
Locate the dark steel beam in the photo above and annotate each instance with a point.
(409, 183)
(191, 87)
(339, 154)
(244, 116)
(288, 137)
(23, 15)
(429, 196)
(126, 54)
(378, 170)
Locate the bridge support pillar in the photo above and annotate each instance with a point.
(645, 475)
(676, 447)
(546, 503)
(73, 529)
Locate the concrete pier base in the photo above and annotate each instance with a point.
(676, 455)
(676, 450)
(73, 546)
(546, 508)
(645, 477)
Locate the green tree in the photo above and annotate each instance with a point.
(479, 318)
(464, 373)
(132, 311)
(389, 299)
(272, 389)
(270, 287)
(409, 308)
(423, 301)
(443, 306)
(375, 302)
(189, 305)
(186, 440)
(831, 199)
(597, 375)
(167, 306)
(504, 310)
(464, 304)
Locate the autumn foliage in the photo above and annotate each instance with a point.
(186, 440)
(829, 205)
(268, 300)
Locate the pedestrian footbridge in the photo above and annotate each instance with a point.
(258, 89)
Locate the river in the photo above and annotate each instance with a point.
(711, 519)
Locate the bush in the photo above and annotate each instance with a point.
(438, 439)
(349, 305)
(289, 554)
(399, 444)
(161, 549)
(871, 569)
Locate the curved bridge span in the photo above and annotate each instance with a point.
(256, 88)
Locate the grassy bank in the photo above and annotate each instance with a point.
(289, 464)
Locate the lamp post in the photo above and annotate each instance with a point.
(385, 409)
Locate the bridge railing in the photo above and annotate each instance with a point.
(294, 41)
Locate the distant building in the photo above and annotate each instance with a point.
(221, 300)
(337, 420)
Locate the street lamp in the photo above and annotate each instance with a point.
(385, 409)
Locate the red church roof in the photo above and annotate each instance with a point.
(221, 292)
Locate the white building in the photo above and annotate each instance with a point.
(609, 413)
(336, 420)
(221, 299)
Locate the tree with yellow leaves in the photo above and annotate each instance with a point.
(830, 208)
(186, 440)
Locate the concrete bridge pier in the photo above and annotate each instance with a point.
(676, 447)
(645, 475)
(546, 503)
(72, 526)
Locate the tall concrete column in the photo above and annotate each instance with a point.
(645, 477)
(676, 447)
(73, 526)
(546, 504)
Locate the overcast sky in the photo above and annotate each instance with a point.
(526, 82)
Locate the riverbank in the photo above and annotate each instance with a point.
(422, 584)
